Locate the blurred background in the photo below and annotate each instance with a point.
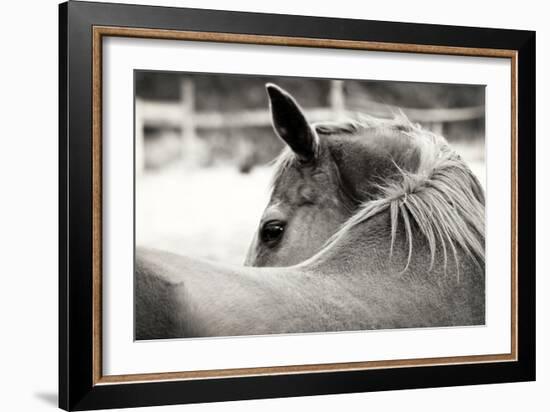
(204, 143)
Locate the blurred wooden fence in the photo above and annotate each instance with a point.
(182, 115)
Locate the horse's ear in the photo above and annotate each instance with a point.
(290, 123)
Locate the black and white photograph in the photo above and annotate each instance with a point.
(288, 205)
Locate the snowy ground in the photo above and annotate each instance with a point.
(209, 213)
(213, 212)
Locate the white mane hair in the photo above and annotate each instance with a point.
(442, 197)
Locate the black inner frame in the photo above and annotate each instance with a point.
(76, 388)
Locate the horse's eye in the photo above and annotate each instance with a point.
(272, 232)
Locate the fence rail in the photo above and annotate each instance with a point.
(182, 114)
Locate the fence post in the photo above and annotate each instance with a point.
(189, 139)
(337, 99)
(139, 139)
(437, 128)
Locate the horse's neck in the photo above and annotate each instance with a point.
(364, 254)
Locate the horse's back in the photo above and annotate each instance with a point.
(158, 293)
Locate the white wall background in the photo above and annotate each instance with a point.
(28, 203)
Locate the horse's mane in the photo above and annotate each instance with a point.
(441, 198)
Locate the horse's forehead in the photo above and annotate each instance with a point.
(308, 184)
(301, 185)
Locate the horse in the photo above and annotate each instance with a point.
(371, 224)
(330, 170)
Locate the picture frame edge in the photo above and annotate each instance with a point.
(81, 388)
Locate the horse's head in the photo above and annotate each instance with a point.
(324, 174)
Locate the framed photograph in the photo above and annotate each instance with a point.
(257, 205)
